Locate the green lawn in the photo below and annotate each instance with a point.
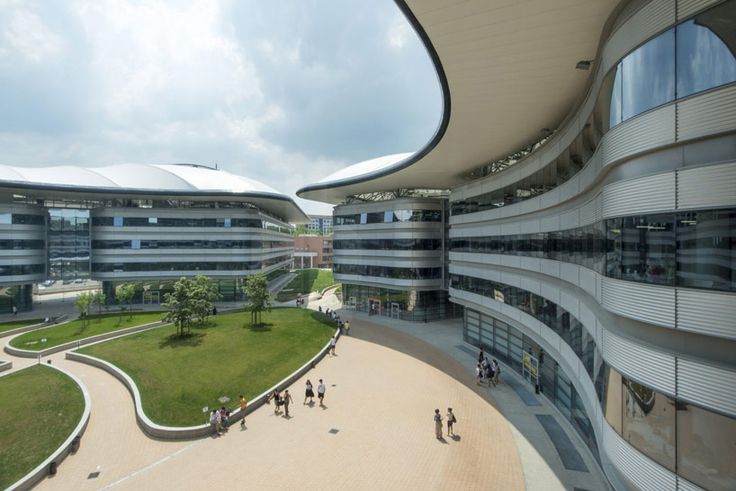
(72, 331)
(306, 281)
(177, 377)
(40, 408)
(7, 326)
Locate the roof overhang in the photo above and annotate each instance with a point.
(507, 72)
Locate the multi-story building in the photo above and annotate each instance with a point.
(126, 223)
(320, 224)
(589, 149)
(313, 251)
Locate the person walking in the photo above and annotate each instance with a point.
(276, 397)
(347, 328)
(15, 310)
(496, 372)
(480, 356)
(333, 343)
(309, 393)
(451, 420)
(243, 406)
(287, 400)
(321, 389)
(478, 374)
(437, 424)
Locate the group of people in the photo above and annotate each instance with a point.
(220, 419)
(300, 301)
(449, 418)
(343, 326)
(486, 369)
(284, 399)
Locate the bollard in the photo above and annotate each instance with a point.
(52, 468)
(75, 443)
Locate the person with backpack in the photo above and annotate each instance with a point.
(451, 420)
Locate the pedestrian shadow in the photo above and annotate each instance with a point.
(457, 438)
(309, 404)
(287, 416)
(323, 406)
(442, 440)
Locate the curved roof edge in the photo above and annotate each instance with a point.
(411, 159)
(145, 181)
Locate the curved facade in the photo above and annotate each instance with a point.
(139, 223)
(604, 261)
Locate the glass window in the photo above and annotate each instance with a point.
(706, 249)
(613, 400)
(706, 445)
(388, 216)
(616, 111)
(117, 221)
(648, 77)
(363, 218)
(6, 218)
(705, 50)
(649, 423)
(152, 220)
(135, 244)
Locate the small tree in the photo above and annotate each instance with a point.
(124, 295)
(203, 295)
(259, 298)
(83, 301)
(179, 306)
(99, 299)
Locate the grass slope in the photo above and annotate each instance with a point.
(306, 281)
(40, 408)
(7, 326)
(72, 331)
(178, 376)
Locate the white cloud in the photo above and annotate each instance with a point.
(27, 36)
(399, 32)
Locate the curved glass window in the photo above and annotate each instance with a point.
(389, 216)
(706, 50)
(21, 245)
(694, 249)
(388, 271)
(642, 80)
(388, 244)
(183, 222)
(186, 266)
(189, 244)
(21, 269)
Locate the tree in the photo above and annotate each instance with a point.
(99, 299)
(179, 306)
(301, 230)
(259, 298)
(124, 295)
(83, 301)
(203, 295)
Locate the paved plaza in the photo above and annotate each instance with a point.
(375, 431)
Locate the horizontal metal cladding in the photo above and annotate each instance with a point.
(393, 283)
(645, 132)
(397, 262)
(643, 472)
(637, 196)
(707, 312)
(709, 186)
(646, 303)
(707, 114)
(686, 8)
(707, 385)
(393, 204)
(645, 365)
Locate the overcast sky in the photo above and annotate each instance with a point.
(284, 92)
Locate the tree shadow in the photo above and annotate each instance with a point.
(322, 317)
(261, 327)
(190, 340)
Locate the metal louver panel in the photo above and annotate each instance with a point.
(641, 195)
(643, 472)
(685, 485)
(707, 385)
(644, 132)
(707, 312)
(686, 8)
(647, 303)
(649, 367)
(707, 114)
(710, 186)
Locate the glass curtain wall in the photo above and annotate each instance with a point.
(68, 244)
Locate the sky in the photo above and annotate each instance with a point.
(284, 92)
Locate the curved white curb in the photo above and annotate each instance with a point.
(23, 353)
(31, 327)
(32, 478)
(190, 432)
(5, 365)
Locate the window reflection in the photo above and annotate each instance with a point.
(706, 249)
(649, 422)
(648, 75)
(706, 445)
(705, 50)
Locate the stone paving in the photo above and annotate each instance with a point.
(375, 431)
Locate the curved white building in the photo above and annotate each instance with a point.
(589, 150)
(137, 222)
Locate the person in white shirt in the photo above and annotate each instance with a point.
(333, 343)
(321, 389)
